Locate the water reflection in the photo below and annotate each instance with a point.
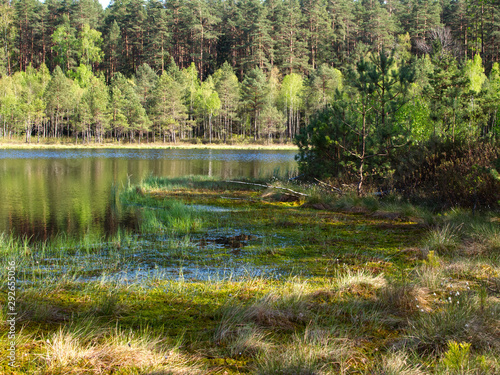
(48, 192)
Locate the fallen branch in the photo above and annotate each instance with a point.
(330, 186)
(269, 186)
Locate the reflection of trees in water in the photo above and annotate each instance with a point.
(106, 223)
(41, 197)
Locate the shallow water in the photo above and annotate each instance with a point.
(49, 192)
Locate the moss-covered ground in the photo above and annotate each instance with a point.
(225, 278)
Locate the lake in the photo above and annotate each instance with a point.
(49, 192)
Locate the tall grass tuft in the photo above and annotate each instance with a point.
(404, 299)
(461, 318)
(397, 363)
(98, 351)
(488, 235)
(444, 240)
(314, 353)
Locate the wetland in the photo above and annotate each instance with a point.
(206, 276)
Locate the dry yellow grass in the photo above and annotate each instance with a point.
(75, 352)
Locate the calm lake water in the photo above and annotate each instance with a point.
(48, 192)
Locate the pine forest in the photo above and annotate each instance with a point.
(214, 71)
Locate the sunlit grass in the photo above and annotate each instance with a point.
(98, 351)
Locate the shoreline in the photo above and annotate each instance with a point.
(19, 145)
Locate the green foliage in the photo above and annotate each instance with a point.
(456, 358)
(207, 102)
(89, 46)
(323, 84)
(474, 71)
(272, 121)
(228, 90)
(255, 90)
(359, 132)
(169, 112)
(432, 260)
(304, 51)
(319, 155)
(65, 45)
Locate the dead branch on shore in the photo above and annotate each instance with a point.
(269, 186)
(337, 190)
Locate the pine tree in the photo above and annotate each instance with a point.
(169, 113)
(127, 102)
(7, 38)
(255, 43)
(87, 12)
(321, 88)
(492, 103)
(420, 17)
(178, 22)
(118, 119)
(318, 29)
(343, 31)
(254, 93)
(368, 117)
(446, 92)
(291, 52)
(204, 35)
(136, 29)
(378, 27)
(113, 46)
(145, 81)
(158, 36)
(58, 98)
(98, 100)
(25, 17)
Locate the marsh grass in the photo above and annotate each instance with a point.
(312, 353)
(460, 318)
(486, 234)
(397, 363)
(341, 295)
(444, 240)
(405, 299)
(249, 340)
(97, 351)
(277, 311)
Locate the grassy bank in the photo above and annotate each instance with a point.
(227, 278)
(69, 143)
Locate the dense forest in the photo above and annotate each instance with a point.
(219, 70)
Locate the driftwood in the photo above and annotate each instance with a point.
(269, 187)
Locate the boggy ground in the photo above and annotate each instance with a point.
(226, 278)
